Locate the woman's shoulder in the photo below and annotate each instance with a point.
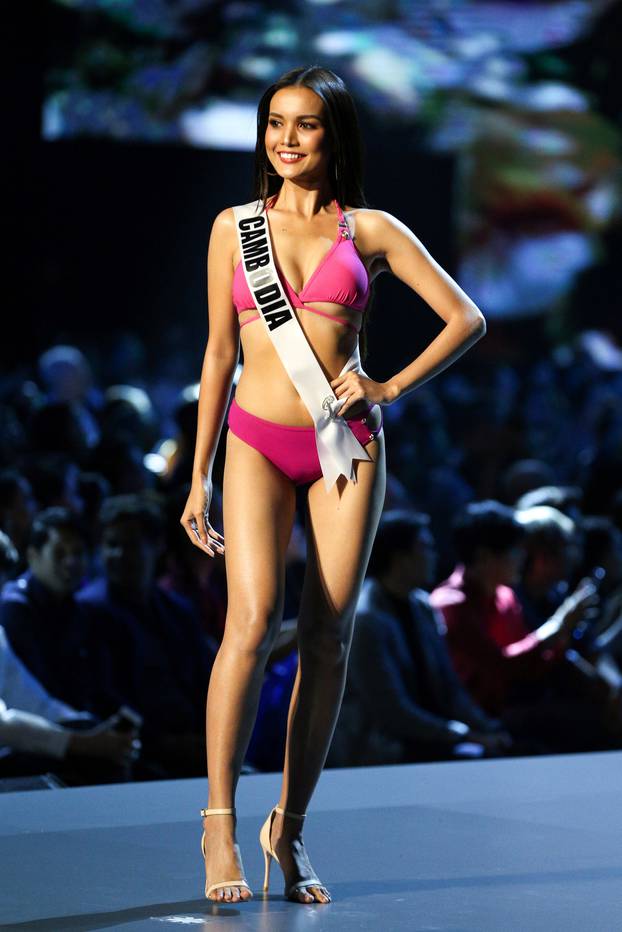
(224, 220)
(371, 227)
(370, 218)
(224, 230)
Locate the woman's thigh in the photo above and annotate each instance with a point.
(258, 512)
(341, 526)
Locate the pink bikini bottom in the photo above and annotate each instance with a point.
(290, 449)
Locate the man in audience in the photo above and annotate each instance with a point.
(519, 675)
(552, 545)
(601, 641)
(162, 657)
(17, 509)
(565, 498)
(39, 733)
(9, 559)
(403, 700)
(44, 624)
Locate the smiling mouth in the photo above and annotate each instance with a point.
(290, 156)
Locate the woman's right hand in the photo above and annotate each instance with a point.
(195, 520)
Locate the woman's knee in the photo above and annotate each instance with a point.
(251, 630)
(326, 641)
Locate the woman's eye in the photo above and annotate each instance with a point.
(274, 122)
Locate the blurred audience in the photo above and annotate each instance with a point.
(46, 627)
(161, 654)
(39, 733)
(106, 603)
(548, 696)
(403, 700)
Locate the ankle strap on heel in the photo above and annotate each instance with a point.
(294, 815)
(206, 812)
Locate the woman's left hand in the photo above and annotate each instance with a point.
(354, 387)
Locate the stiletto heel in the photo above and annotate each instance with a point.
(269, 853)
(240, 882)
(267, 862)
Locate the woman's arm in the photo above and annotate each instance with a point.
(223, 345)
(219, 362)
(396, 249)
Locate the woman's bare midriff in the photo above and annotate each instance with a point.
(266, 390)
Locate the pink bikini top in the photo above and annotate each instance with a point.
(341, 277)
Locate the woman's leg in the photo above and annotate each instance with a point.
(341, 526)
(259, 506)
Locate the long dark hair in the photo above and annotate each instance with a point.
(345, 169)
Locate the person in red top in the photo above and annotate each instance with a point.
(505, 666)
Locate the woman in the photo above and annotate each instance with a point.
(308, 176)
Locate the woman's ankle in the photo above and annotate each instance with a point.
(220, 824)
(284, 827)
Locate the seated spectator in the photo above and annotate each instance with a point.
(66, 375)
(524, 475)
(122, 463)
(557, 552)
(565, 498)
(9, 559)
(44, 624)
(602, 558)
(553, 551)
(128, 414)
(92, 489)
(185, 418)
(57, 428)
(54, 478)
(403, 700)
(602, 553)
(38, 733)
(396, 495)
(17, 509)
(162, 657)
(521, 676)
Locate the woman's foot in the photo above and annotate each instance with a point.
(221, 861)
(287, 843)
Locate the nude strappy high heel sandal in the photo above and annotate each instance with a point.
(269, 853)
(240, 882)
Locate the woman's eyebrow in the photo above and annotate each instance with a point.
(299, 116)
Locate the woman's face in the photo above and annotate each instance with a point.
(296, 125)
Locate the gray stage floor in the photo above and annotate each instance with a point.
(524, 844)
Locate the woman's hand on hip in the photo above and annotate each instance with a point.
(352, 387)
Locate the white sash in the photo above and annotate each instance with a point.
(337, 446)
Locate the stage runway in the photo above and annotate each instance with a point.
(526, 844)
